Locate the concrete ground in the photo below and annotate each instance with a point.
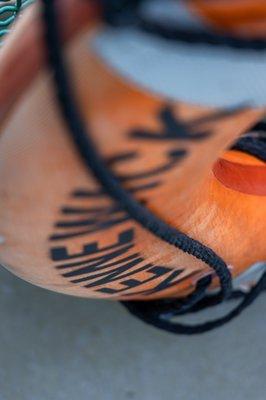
(55, 347)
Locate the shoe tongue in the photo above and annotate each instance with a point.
(203, 74)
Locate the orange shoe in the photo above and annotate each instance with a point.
(160, 192)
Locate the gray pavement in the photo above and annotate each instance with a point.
(55, 347)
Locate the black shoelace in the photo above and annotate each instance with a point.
(157, 313)
(126, 13)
